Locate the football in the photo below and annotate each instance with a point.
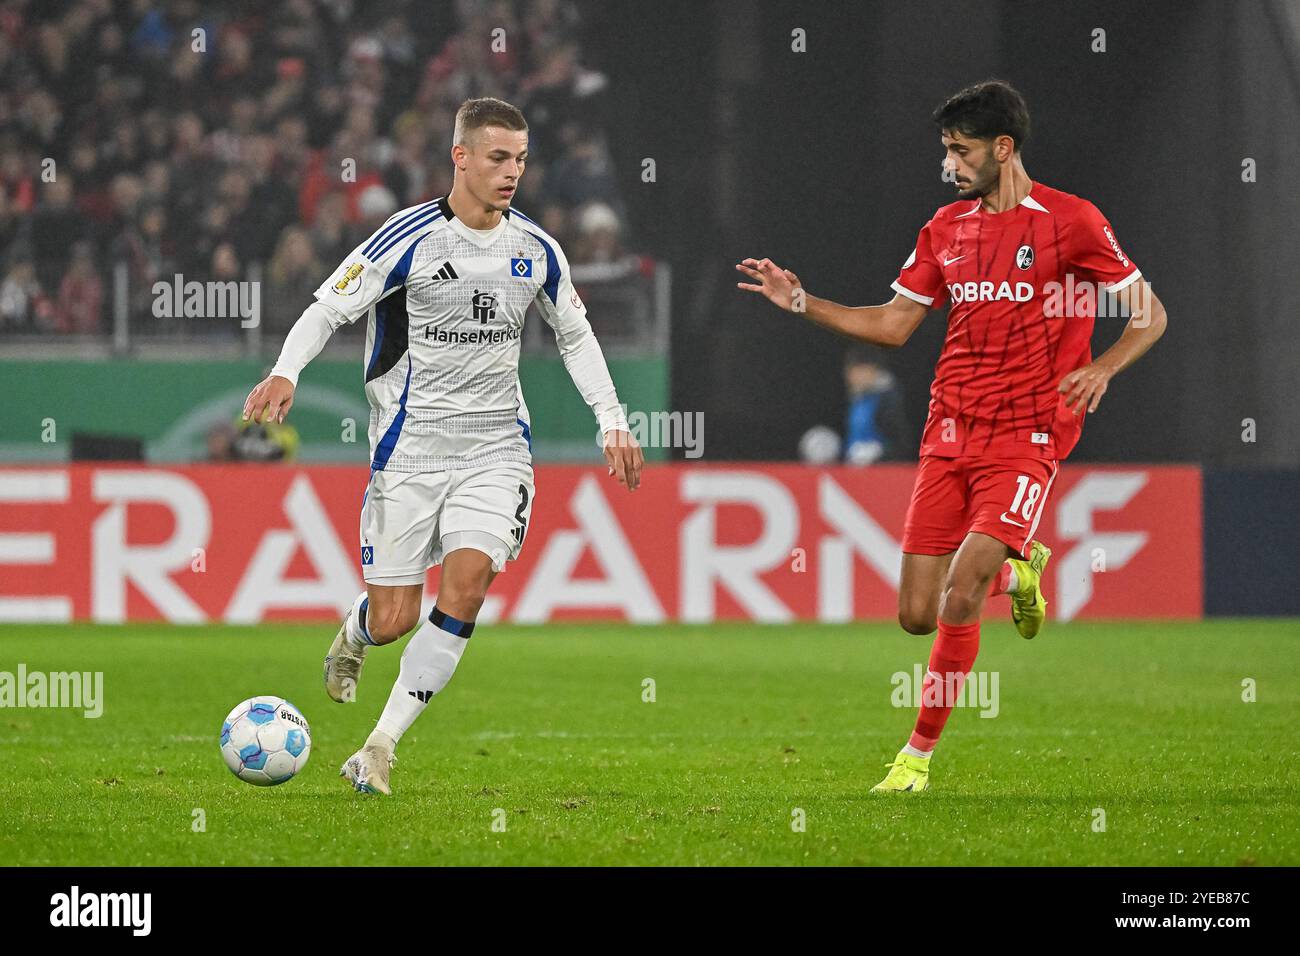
(265, 741)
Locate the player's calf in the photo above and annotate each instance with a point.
(379, 616)
(392, 615)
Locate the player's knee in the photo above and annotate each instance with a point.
(916, 622)
(461, 599)
(960, 604)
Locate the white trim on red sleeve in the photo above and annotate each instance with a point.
(914, 296)
(1126, 281)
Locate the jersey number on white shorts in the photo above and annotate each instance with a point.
(519, 514)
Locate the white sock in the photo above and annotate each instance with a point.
(428, 662)
(357, 635)
(1013, 585)
(909, 749)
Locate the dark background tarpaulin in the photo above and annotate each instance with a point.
(827, 162)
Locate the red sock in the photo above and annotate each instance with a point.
(1001, 580)
(951, 658)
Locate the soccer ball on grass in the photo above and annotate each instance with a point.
(265, 741)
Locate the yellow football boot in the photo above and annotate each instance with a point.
(1028, 606)
(906, 774)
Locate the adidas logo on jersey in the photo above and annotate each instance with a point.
(445, 274)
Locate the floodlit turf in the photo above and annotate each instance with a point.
(546, 729)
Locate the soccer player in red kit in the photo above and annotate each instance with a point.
(1022, 266)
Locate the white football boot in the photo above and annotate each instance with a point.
(343, 665)
(367, 770)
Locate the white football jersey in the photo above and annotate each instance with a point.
(445, 307)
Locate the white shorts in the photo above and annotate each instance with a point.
(409, 520)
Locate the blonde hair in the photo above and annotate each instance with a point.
(486, 111)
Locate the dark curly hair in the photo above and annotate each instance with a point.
(986, 110)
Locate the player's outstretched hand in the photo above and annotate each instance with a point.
(624, 457)
(770, 280)
(272, 396)
(1085, 386)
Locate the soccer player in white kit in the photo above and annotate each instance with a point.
(443, 287)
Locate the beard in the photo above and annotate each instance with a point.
(986, 177)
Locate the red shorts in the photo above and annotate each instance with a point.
(1000, 497)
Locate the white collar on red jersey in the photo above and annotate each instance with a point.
(1028, 202)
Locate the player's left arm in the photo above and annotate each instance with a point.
(1094, 254)
(585, 362)
(1085, 386)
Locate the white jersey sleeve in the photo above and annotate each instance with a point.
(379, 265)
(373, 270)
(583, 359)
(305, 340)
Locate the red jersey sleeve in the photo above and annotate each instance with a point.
(921, 278)
(1095, 252)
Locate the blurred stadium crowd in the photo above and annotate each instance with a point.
(221, 155)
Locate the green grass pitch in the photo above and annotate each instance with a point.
(545, 728)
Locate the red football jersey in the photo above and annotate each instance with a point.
(1023, 285)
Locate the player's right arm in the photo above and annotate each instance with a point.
(888, 325)
(272, 398)
(376, 268)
